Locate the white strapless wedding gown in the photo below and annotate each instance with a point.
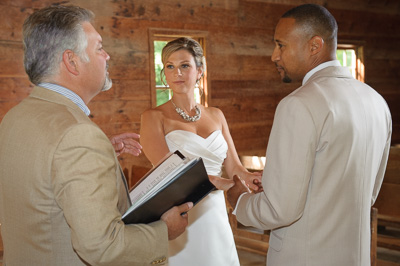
(208, 239)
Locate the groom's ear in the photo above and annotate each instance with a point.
(316, 44)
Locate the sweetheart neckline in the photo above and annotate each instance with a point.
(212, 133)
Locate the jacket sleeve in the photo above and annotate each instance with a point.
(383, 164)
(84, 181)
(290, 158)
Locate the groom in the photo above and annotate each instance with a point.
(326, 155)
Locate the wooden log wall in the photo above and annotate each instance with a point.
(243, 81)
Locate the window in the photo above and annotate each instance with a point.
(351, 56)
(163, 94)
(160, 92)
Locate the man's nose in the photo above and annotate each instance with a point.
(275, 55)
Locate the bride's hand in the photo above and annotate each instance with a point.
(221, 183)
(253, 181)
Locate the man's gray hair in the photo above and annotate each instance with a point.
(47, 33)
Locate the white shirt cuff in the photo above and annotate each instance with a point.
(237, 203)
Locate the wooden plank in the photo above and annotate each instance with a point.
(133, 90)
(111, 129)
(389, 242)
(253, 148)
(231, 40)
(251, 245)
(378, 68)
(116, 111)
(255, 145)
(386, 7)
(388, 203)
(11, 59)
(374, 236)
(374, 50)
(247, 88)
(1, 247)
(196, 11)
(254, 14)
(125, 89)
(123, 33)
(243, 89)
(128, 64)
(247, 110)
(384, 262)
(17, 3)
(13, 14)
(392, 174)
(14, 88)
(395, 110)
(359, 23)
(396, 132)
(237, 67)
(388, 200)
(389, 221)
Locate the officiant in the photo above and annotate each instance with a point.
(62, 191)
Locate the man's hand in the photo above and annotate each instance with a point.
(221, 183)
(176, 219)
(126, 143)
(234, 192)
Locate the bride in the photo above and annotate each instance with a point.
(197, 131)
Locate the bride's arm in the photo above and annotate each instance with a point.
(152, 136)
(232, 163)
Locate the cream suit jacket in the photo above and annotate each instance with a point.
(326, 158)
(62, 192)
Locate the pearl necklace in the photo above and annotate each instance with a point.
(185, 116)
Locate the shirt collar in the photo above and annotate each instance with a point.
(67, 93)
(320, 67)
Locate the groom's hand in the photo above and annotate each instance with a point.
(234, 192)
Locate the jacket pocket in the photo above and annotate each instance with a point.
(276, 238)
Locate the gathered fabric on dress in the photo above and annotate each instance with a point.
(208, 239)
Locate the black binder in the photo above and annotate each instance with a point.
(189, 185)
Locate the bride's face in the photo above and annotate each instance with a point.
(181, 72)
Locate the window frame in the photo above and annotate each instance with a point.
(358, 47)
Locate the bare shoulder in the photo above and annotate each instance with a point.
(151, 113)
(154, 113)
(215, 112)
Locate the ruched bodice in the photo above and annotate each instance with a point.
(211, 149)
(208, 239)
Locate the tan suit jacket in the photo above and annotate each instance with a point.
(326, 158)
(62, 191)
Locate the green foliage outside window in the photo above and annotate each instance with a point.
(158, 46)
(163, 96)
(347, 58)
(162, 93)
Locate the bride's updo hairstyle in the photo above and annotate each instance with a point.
(184, 43)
